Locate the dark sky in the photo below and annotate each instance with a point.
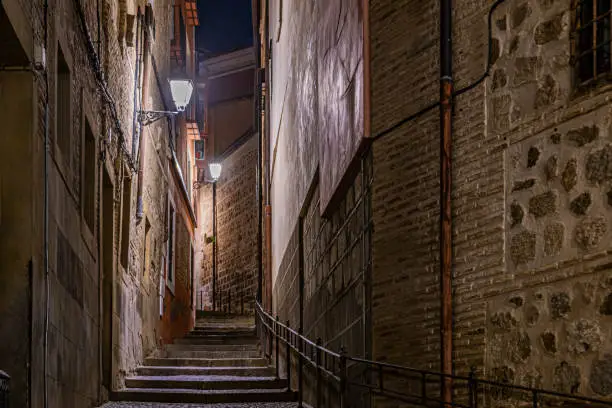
(225, 25)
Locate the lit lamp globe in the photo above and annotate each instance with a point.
(181, 90)
(215, 170)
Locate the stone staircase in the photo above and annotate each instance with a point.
(220, 361)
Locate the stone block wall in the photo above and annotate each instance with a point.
(76, 313)
(530, 198)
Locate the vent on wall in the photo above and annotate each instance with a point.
(129, 30)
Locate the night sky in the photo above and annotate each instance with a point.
(225, 26)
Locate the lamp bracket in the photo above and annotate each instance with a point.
(148, 117)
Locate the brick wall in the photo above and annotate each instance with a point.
(236, 231)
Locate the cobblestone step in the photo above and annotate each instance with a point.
(227, 371)
(183, 395)
(207, 362)
(205, 382)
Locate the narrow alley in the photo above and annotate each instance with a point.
(305, 203)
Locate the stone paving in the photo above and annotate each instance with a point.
(163, 405)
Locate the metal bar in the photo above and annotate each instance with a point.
(343, 378)
(535, 398)
(288, 362)
(313, 356)
(276, 338)
(318, 368)
(472, 390)
(300, 369)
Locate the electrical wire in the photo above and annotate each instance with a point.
(99, 75)
(460, 91)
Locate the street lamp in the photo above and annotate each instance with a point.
(215, 173)
(181, 90)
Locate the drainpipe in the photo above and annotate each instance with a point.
(256, 6)
(446, 107)
(267, 125)
(46, 220)
(142, 144)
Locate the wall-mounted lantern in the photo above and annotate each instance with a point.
(181, 90)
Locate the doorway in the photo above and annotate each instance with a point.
(108, 216)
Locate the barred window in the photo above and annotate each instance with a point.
(591, 40)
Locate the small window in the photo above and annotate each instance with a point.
(191, 272)
(125, 221)
(146, 259)
(171, 245)
(89, 177)
(63, 105)
(591, 40)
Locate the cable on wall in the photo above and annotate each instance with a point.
(458, 92)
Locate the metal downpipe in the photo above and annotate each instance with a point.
(446, 108)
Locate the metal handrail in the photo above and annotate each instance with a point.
(477, 390)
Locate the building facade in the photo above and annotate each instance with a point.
(228, 278)
(355, 254)
(97, 207)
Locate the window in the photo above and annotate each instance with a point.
(147, 249)
(191, 272)
(63, 105)
(125, 221)
(89, 177)
(171, 245)
(591, 40)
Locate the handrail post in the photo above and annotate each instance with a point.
(535, 398)
(318, 364)
(473, 388)
(288, 356)
(276, 352)
(300, 367)
(424, 388)
(270, 330)
(343, 378)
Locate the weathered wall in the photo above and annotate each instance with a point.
(553, 317)
(17, 225)
(340, 89)
(293, 128)
(77, 308)
(530, 205)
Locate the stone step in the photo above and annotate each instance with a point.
(205, 382)
(206, 362)
(223, 339)
(210, 354)
(213, 347)
(186, 396)
(224, 371)
(221, 332)
(223, 328)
